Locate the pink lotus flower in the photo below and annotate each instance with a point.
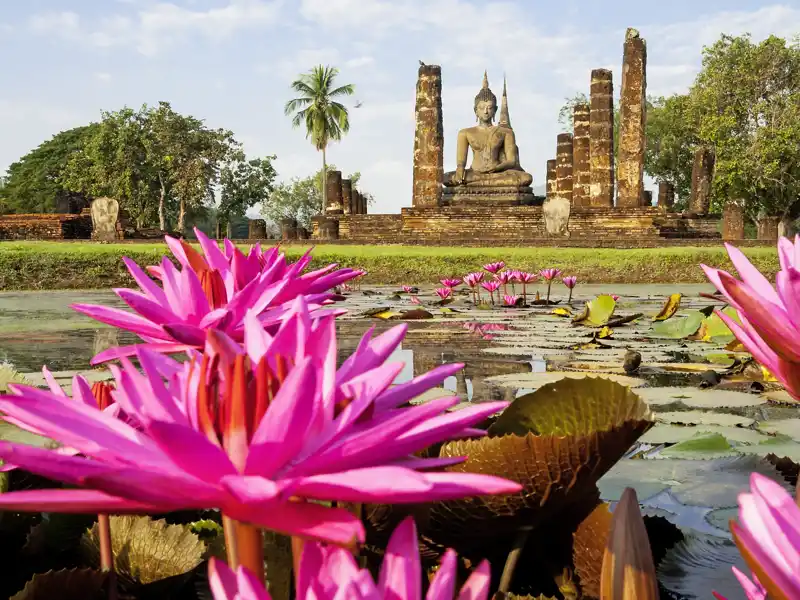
(504, 276)
(528, 277)
(210, 290)
(768, 537)
(491, 286)
(614, 297)
(510, 300)
(451, 283)
(494, 267)
(261, 432)
(415, 300)
(331, 573)
(473, 279)
(770, 317)
(570, 281)
(444, 293)
(549, 274)
(407, 289)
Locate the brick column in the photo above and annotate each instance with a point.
(666, 195)
(702, 177)
(429, 138)
(581, 173)
(564, 156)
(601, 139)
(551, 178)
(334, 193)
(630, 170)
(732, 221)
(347, 197)
(257, 229)
(767, 228)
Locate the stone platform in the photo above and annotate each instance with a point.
(476, 225)
(504, 196)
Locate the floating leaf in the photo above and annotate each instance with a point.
(605, 333)
(414, 315)
(562, 312)
(10, 375)
(697, 417)
(670, 308)
(537, 380)
(56, 533)
(702, 446)
(715, 328)
(695, 398)
(589, 543)
(146, 550)
(557, 442)
(624, 320)
(597, 312)
(679, 328)
(376, 312)
(664, 433)
(446, 310)
(67, 584)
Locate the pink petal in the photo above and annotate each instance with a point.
(123, 351)
(751, 276)
(788, 285)
(221, 580)
(443, 586)
(450, 486)
(123, 319)
(145, 283)
(250, 588)
(146, 307)
(405, 392)
(376, 484)
(401, 573)
(183, 333)
(71, 501)
(51, 464)
(191, 451)
(477, 586)
(752, 590)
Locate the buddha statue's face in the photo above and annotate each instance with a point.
(485, 111)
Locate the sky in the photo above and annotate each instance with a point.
(230, 62)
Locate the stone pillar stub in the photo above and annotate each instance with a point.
(334, 193)
(564, 159)
(428, 139)
(767, 228)
(347, 197)
(601, 139)
(257, 229)
(630, 168)
(581, 172)
(702, 178)
(551, 178)
(733, 221)
(666, 195)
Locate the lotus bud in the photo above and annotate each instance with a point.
(628, 572)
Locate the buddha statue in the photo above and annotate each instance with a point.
(495, 168)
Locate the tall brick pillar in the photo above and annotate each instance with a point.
(666, 195)
(702, 177)
(564, 165)
(364, 205)
(581, 173)
(630, 169)
(601, 139)
(334, 193)
(551, 178)
(347, 197)
(429, 138)
(356, 201)
(732, 221)
(767, 228)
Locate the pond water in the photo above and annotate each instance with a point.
(509, 352)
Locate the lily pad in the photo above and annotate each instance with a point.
(670, 308)
(781, 446)
(537, 380)
(679, 328)
(664, 433)
(695, 398)
(562, 312)
(67, 584)
(597, 312)
(714, 328)
(146, 550)
(702, 446)
(697, 417)
(787, 427)
(9, 375)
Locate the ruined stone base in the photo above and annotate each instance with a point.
(505, 196)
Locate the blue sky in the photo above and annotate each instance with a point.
(230, 62)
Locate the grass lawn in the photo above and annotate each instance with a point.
(86, 265)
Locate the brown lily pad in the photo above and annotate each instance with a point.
(589, 543)
(67, 584)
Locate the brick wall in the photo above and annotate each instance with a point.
(45, 227)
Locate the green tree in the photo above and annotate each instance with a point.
(301, 198)
(244, 183)
(317, 108)
(33, 183)
(566, 116)
(745, 102)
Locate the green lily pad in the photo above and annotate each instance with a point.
(9, 375)
(597, 312)
(781, 446)
(537, 380)
(665, 433)
(702, 446)
(679, 327)
(789, 428)
(697, 417)
(714, 328)
(696, 398)
(571, 407)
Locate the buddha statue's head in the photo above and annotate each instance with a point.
(485, 103)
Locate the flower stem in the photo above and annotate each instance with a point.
(297, 552)
(250, 548)
(512, 560)
(547, 300)
(231, 550)
(107, 553)
(569, 300)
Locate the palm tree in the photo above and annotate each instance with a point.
(325, 118)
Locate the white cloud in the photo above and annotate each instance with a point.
(359, 61)
(104, 77)
(151, 29)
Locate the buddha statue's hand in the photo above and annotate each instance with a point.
(459, 176)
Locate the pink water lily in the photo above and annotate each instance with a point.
(768, 538)
(494, 267)
(332, 573)
(491, 287)
(210, 290)
(526, 278)
(770, 316)
(444, 293)
(549, 274)
(451, 283)
(473, 279)
(262, 432)
(570, 281)
(510, 300)
(407, 289)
